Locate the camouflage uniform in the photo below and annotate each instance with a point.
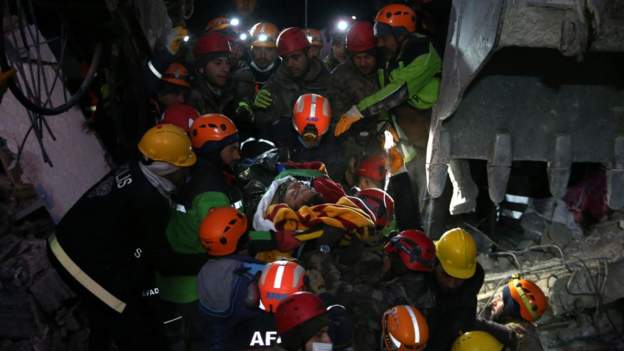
(208, 99)
(285, 90)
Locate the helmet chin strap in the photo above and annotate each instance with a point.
(263, 70)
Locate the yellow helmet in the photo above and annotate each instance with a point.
(477, 341)
(168, 143)
(457, 252)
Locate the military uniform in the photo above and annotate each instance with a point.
(285, 90)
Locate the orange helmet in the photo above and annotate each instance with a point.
(529, 297)
(221, 230)
(397, 16)
(212, 131)
(218, 23)
(311, 116)
(177, 74)
(278, 280)
(404, 328)
(314, 36)
(264, 35)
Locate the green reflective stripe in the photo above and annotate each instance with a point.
(254, 235)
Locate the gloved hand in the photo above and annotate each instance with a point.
(286, 241)
(175, 38)
(263, 99)
(244, 113)
(316, 282)
(396, 161)
(347, 120)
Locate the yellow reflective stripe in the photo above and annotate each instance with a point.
(525, 300)
(309, 236)
(82, 277)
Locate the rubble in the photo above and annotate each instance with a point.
(583, 280)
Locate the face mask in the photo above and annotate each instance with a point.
(321, 346)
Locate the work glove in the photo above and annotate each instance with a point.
(263, 99)
(244, 113)
(175, 38)
(347, 120)
(330, 190)
(396, 161)
(285, 240)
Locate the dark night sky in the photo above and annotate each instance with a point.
(285, 13)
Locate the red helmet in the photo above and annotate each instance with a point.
(373, 167)
(278, 280)
(414, 248)
(297, 309)
(211, 42)
(290, 40)
(180, 115)
(381, 203)
(311, 116)
(360, 37)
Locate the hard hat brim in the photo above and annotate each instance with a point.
(459, 273)
(188, 162)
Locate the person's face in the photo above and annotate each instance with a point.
(217, 71)
(388, 45)
(237, 50)
(497, 305)
(339, 51)
(298, 194)
(263, 57)
(446, 282)
(230, 154)
(322, 337)
(314, 51)
(365, 63)
(172, 98)
(297, 64)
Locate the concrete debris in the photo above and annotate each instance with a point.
(584, 281)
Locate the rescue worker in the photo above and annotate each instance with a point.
(457, 279)
(231, 29)
(237, 314)
(170, 89)
(369, 282)
(477, 341)
(215, 139)
(409, 87)
(180, 115)
(249, 79)
(263, 64)
(303, 323)
(123, 215)
(356, 78)
(411, 67)
(226, 284)
(297, 75)
(315, 40)
(404, 327)
(210, 93)
(305, 135)
(338, 54)
(511, 315)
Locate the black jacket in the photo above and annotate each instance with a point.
(209, 175)
(454, 313)
(108, 233)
